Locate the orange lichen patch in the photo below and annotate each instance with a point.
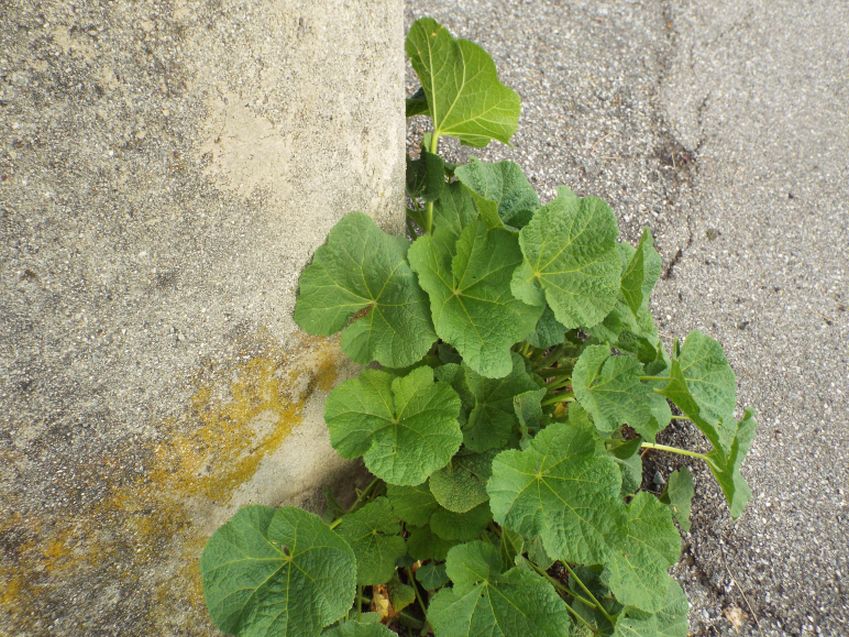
(146, 530)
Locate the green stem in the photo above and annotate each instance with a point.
(416, 589)
(687, 418)
(552, 356)
(434, 147)
(680, 452)
(554, 371)
(660, 378)
(559, 586)
(574, 575)
(559, 398)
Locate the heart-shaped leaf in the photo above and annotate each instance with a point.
(464, 97)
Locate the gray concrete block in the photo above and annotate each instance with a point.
(166, 171)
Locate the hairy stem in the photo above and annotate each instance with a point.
(567, 397)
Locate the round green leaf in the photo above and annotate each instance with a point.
(362, 272)
(405, 428)
(461, 485)
(670, 620)
(562, 487)
(277, 572)
(570, 253)
(484, 601)
(468, 282)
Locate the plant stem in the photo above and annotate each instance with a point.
(681, 452)
(688, 419)
(554, 371)
(434, 147)
(574, 575)
(559, 586)
(559, 398)
(661, 378)
(416, 589)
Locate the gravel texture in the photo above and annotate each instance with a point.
(724, 127)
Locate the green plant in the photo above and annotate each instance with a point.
(515, 379)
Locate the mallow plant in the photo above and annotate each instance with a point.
(512, 381)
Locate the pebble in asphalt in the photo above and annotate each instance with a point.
(722, 126)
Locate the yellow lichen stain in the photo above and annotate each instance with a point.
(146, 529)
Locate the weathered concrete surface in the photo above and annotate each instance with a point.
(723, 127)
(167, 168)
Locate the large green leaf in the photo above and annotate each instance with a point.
(469, 289)
(636, 570)
(500, 190)
(563, 487)
(279, 572)
(405, 428)
(362, 272)
(570, 256)
(487, 603)
(492, 421)
(703, 386)
(725, 465)
(609, 388)
(670, 620)
(641, 274)
(464, 97)
(461, 485)
(374, 534)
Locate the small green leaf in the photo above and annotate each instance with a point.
(465, 99)
(461, 485)
(679, 496)
(432, 576)
(405, 428)
(471, 304)
(636, 571)
(414, 505)
(425, 176)
(725, 465)
(492, 421)
(361, 628)
(609, 388)
(500, 190)
(548, 332)
(670, 620)
(564, 488)
(570, 253)
(528, 409)
(484, 601)
(277, 571)
(460, 526)
(703, 386)
(641, 274)
(375, 536)
(362, 270)
(416, 104)
(401, 595)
